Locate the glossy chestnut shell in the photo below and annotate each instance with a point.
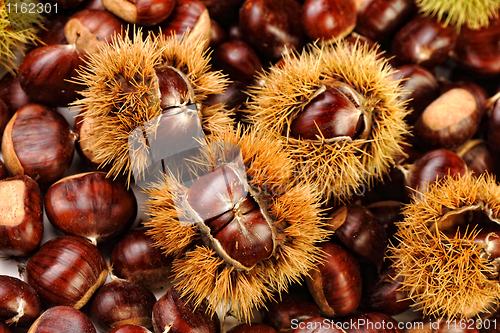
(66, 270)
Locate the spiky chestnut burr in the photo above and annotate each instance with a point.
(16, 30)
(474, 14)
(274, 229)
(134, 80)
(448, 267)
(340, 149)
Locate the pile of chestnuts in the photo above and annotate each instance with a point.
(363, 154)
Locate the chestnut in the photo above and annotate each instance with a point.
(378, 19)
(271, 26)
(424, 41)
(177, 315)
(328, 20)
(336, 284)
(281, 314)
(387, 212)
(141, 12)
(238, 60)
(217, 34)
(188, 14)
(19, 302)
(384, 294)
(420, 89)
(82, 127)
(252, 328)
(128, 328)
(135, 259)
(44, 73)
(477, 156)
(62, 319)
(122, 302)
(221, 9)
(432, 167)
(479, 92)
(91, 205)
(360, 231)
(478, 50)
(88, 29)
(38, 142)
(449, 121)
(336, 111)
(66, 270)
(12, 94)
(21, 220)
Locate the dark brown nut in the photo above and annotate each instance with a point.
(270, 26)
(135, 259)
(122, 302)
(91, 206)
(141, 12)
(34, 129)
(44, 73)
(176, 315)
(19, 302)
(336, 285)
(62, 319)
(66, 270)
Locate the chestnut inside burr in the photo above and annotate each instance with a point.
(335, 112)
(231, 218)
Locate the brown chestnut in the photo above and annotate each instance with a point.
(217, 34)
(21, 220)
(271, 26)
(478, 50)
(141, 12)
(44, 73)
(449, 121)
(290, 308)
(328, 20)
(91, 205)
(135, 259)
(432, 167)
(12, 94)
(493, 131)
(336, 284)
(62, 319)
(66, 270)
(420, 89)
(128, 328)
(384, 294)
(238, 60)
(378, 19)
(188, 14)
(424, 41)
(122, 302)
(38, 142)
(176, 315)
(19, 302)
(477, 156)
(336, 111)
(360, 231)
(230, 217)
(88, 29)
